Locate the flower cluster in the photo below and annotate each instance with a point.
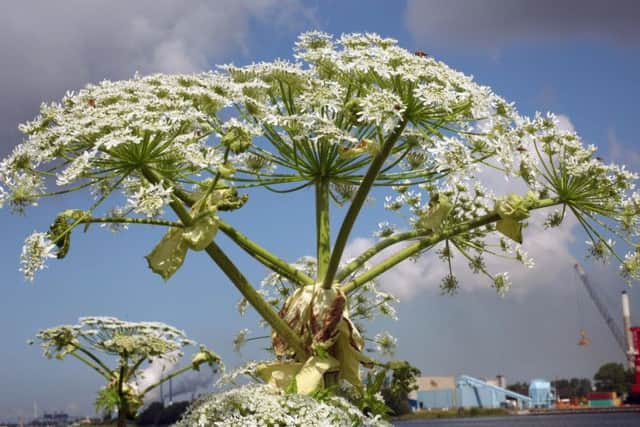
(256, 405)
(149, 200)
(115, 336)
(386, 343)
(329, 114)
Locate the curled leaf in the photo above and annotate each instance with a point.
(311, 376)
(168, 255)
(60, 230)
(512, 210)
(279, 374)
(205, 356)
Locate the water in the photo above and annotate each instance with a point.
(627, 419)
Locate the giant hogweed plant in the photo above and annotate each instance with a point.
(96, 341)
(350, 115)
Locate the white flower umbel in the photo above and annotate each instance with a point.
(37, 248)
(386, 344)
(382, 108)
(265, 405)
(128, 346)
(149, 200)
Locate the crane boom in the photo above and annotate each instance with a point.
(611, 323)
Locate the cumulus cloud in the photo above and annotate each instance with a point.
(49, 47)
(621, 153)
(550, 249)
(498, 23)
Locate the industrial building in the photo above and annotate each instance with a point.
(464, 391)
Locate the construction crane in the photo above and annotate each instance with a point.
(629, 341)
(611, 323)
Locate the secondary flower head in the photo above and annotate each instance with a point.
(37, 248)
(117, 337)
(386, 344)
(149, 200)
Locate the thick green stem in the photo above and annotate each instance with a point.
(264, 256)
(323, 230)
(127, 220)
(374, 250)
(254, 249)
(134, 368)
(416, 247)
(356, 204)
(123, 407)
(256, 300)
(389, 262)
(241, 283)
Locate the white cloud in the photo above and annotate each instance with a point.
(620, 153)
(50, 47)
(564, 123)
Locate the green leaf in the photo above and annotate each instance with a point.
(168, 255)
(510, 228)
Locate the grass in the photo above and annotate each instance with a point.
(454, 413)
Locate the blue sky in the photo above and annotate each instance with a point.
(576, 58)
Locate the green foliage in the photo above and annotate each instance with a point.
(403, 381)
(613, 377)
(372, 401)
(454, 413)
(520, 388)
(107, 400)
(573, 388)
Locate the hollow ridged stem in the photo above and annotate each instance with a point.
(127, 220)
(256, 300)
(323, 231)
(167, 378)
(373, 251)
(358, 200)
(239, 280)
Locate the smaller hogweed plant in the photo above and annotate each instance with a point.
(350, 117)
(96, 341)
